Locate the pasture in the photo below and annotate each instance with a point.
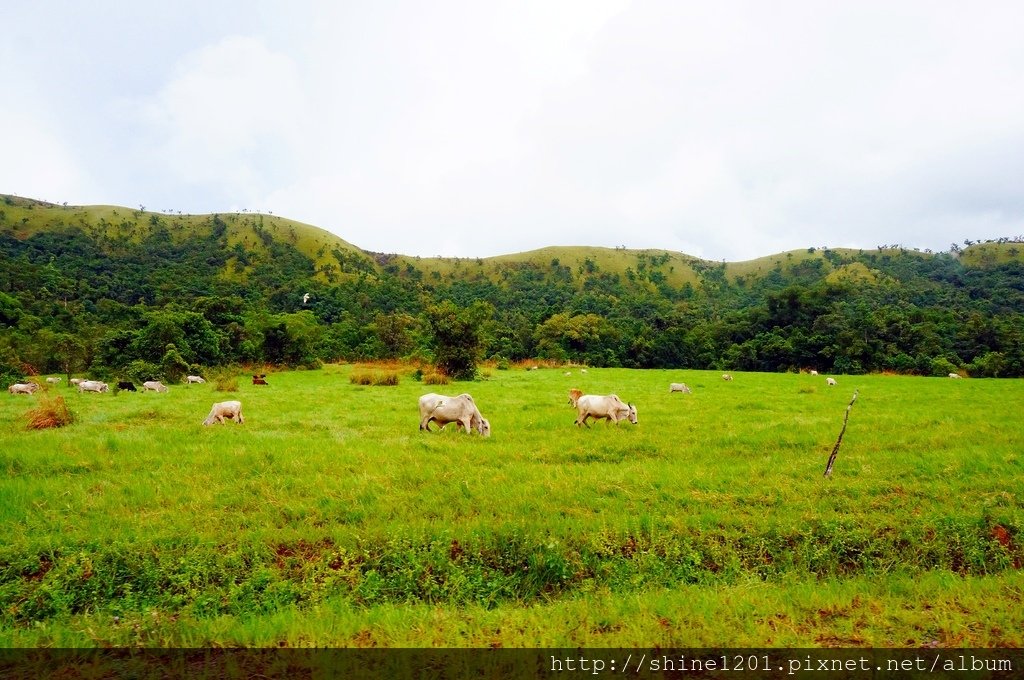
(329, 519)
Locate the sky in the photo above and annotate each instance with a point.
(727, 130)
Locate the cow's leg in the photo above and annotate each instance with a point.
(465, 423)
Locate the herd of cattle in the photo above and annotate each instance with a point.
(434, 408)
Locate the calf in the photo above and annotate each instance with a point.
(126, 385)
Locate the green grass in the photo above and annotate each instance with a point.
(328, 518)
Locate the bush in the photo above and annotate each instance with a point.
(140, 371)
(389, 378)
(941, 367)
(435, 379)
(50, 412)
(224, 379)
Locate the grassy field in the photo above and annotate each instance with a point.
(329, 519)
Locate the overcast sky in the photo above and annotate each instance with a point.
(726, 130)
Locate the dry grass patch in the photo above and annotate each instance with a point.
(360, 377)
(51, 412)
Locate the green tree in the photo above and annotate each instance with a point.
(456, 336)
(69, 352)
(174, 366)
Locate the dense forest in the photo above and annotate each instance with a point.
(142, 295)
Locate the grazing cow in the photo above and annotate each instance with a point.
(831, 382)
(604, 406)
(813, 372)
(568, 372)
(232, 410)
(193, 379)
(154, 385)
(92, 386)
(443, 410)
(574, 395)
(53, 381)
(678, 387)
(726, 376)
(23, 388)
(126, 385)
(954, 375)
(75, 381)
(259, 379)
(583, 370)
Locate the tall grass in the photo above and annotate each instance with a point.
(330, 499)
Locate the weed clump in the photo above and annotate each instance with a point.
(225, 380)
(435, 379)
(51, 412)
(389, 378)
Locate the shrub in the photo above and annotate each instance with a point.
(50, 412)
(361, 378)
(435, 379)
(140, 371)
(224, 379)
(373, 378)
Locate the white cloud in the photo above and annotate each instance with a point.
(229, 118)
(726, 130)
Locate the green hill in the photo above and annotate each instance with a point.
(110, 289)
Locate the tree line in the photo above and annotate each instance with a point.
(159, 307)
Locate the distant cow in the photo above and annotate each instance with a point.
(831, 382)
(678, 387)
(194, 379)
(154, 385)
(126, 385)
(53, 381)
(813, 372)
(443, 410)
(231, 410)
(75, 381)
(574, 395)
(954, 375)
(726, 376)
(23, 388)
(604, 406)
(92, 386)
(259, 379)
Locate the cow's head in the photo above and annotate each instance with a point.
(632, 414)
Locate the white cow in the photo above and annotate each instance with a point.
(154, 385)
(604, 406)
(726, 376)
(53, 381)
(193, 379)
(232, 410)
(443, 410)
(678, 387)
(76, 381)
(23, 388)
(831, 382)
(92, 386)
(813, 372)
(954, 375)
